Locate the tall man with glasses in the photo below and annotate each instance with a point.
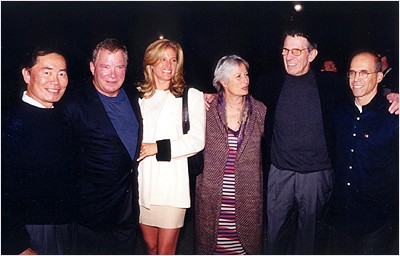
(365, 198)
(298, 147)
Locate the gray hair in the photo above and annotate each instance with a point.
(224, 67)
(111, 45)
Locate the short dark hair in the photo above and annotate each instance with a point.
(296, 31)
(31, 58)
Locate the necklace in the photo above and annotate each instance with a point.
(234, 115)
(235, 106)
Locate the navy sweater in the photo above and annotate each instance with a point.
(37, 174)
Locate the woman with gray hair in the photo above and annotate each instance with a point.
(229, 192)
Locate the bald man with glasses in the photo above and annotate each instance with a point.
(365, 198)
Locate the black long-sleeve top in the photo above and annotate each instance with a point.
(332, 90)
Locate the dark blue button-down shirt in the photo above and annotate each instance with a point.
(366, 166)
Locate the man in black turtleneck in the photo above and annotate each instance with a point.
(300, 174)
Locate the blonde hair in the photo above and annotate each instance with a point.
(152, 56)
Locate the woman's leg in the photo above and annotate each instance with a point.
(150, 236)
(167, 240)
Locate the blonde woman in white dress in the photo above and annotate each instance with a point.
(163, 171)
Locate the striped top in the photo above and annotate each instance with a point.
(228, 241)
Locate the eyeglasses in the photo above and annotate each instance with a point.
(363, 74)
(294, 51)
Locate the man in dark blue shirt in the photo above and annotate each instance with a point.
(366, 164)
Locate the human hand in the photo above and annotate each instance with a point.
(208, 98)
(393, 98)
(147, 149)
(28, 251)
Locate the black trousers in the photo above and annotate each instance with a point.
(53, 239)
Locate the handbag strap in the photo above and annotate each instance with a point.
(185, 111)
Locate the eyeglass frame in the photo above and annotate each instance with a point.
(291, 50)
(359, 74)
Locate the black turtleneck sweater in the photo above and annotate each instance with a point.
(298, 141)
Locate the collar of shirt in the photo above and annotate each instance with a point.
(377, 102)
(386, 71)
(31, 101)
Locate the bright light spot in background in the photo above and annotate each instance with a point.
(298, 7)
(161, 37)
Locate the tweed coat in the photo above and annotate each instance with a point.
(249, 183)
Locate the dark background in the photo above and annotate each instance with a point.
(206, 31)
